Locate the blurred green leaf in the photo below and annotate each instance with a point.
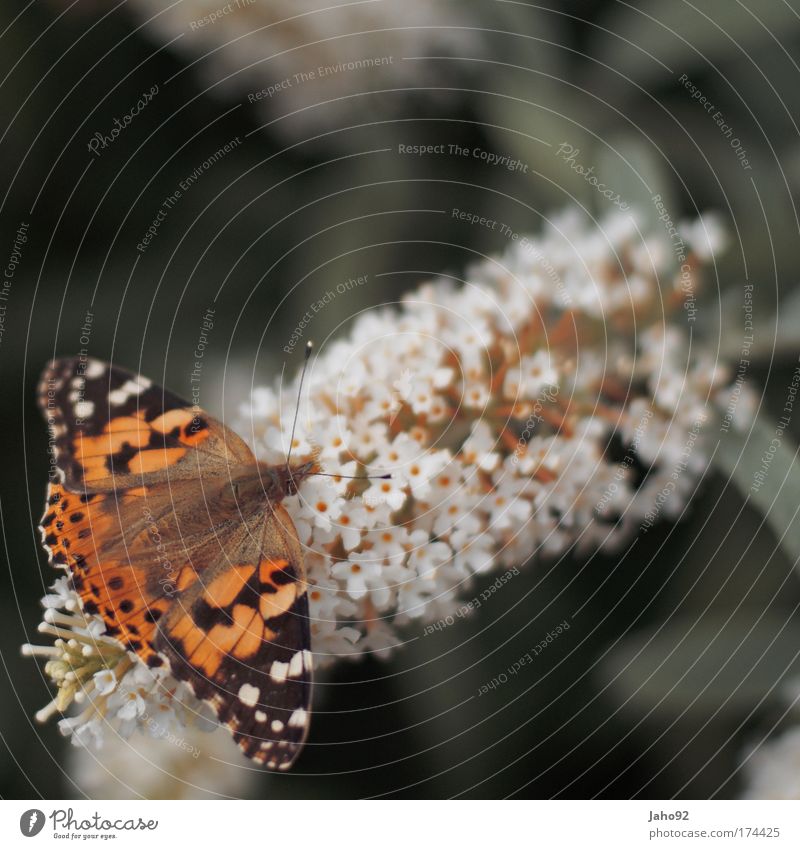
(704, 663)
(639, 41)
(636, 171)
(762, 464)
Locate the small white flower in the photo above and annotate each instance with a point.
(61, 596)
(105, 682)
(506, 508)
(480, 449)
(356, 574)
(532, 375)
(474, 553)
(321, 503)
(390, 492)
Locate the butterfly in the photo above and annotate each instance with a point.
(175, 535)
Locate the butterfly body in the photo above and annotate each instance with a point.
(177, 538)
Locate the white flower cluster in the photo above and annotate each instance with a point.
(187, 764)
(543, 404)
(314, 60)
(117, 691)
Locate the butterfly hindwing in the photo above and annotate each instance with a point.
(111, 572)
(241, 640)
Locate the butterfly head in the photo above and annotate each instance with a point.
(281, 481)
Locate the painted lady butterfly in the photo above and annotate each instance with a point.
(175, 535)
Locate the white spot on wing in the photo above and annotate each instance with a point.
(296, 664)
(248, 694)
(261, 716)
(95, 368)
(134, 387)
(278, 671)
(127, 390)
(84, 409)
(277, 726)
(299, 718)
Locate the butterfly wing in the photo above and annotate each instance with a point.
(181, 568)
(126, 555)
(240, 638)
(112, 429)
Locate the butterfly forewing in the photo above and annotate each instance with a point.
(112, 429)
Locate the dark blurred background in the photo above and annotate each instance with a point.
(631, 703)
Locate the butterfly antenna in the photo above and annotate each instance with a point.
(385, 477)
(309, 349)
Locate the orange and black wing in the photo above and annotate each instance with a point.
(159, 545)
(122, 551)
(111, 429)
(222, 601)
(240, 638)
